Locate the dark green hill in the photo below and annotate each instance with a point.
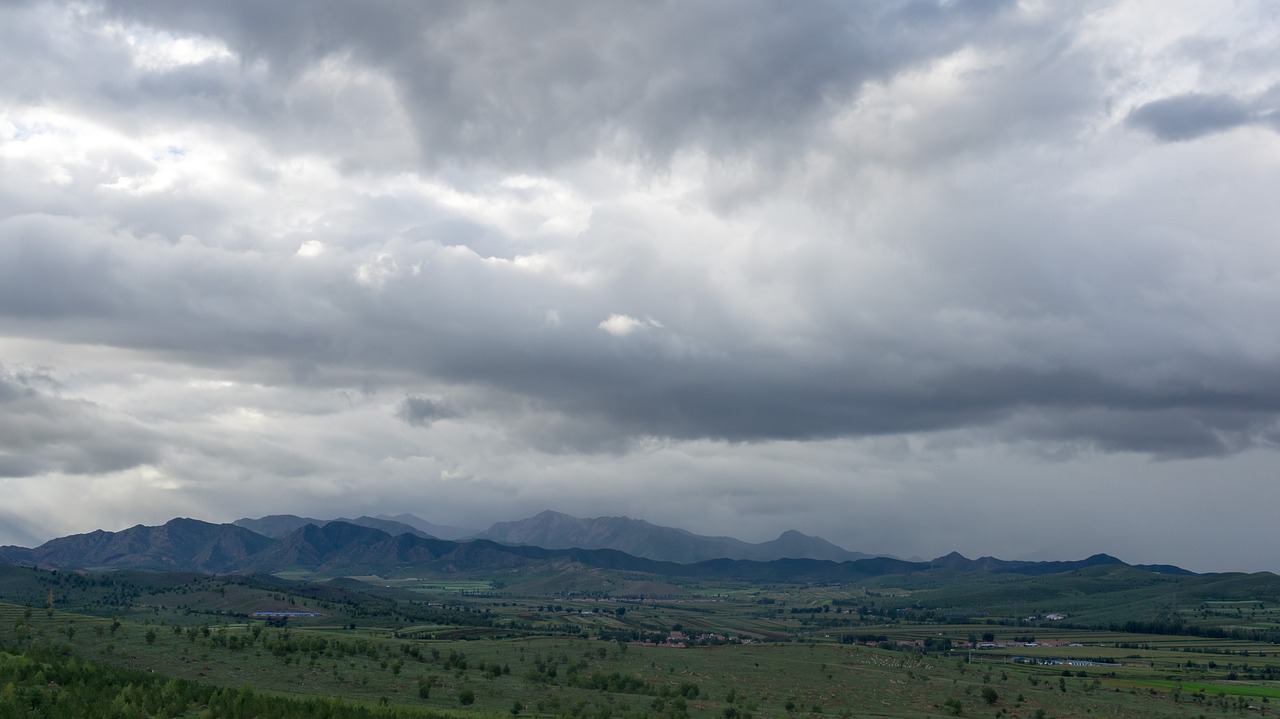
(959, 562)
(1101, 596)
(178, 545)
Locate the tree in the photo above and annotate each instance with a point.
(989, 695)
(466, 697)
(151, 636)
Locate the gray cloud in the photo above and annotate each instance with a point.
(64, 280)
(422, 411)
(43, 434)
(536, 87)
(850, 245)
(1187, 117)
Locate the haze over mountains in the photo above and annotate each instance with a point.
(340, 547)
(639, 538)
(281, 525)
(278, 525)
(554, 530)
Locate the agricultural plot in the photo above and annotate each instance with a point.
(479, 646)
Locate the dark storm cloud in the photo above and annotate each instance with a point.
(1187, 117)
(536, 85)
(451, 322)
(735, 403)
(1168, 434)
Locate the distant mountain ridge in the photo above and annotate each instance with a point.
(554, 530)
(339, 548)
(280, 525)
(443, 531)
(959, 562)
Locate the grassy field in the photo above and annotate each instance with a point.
(484, 646)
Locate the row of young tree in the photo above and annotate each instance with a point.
(39, 684)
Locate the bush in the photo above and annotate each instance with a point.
(466, 697)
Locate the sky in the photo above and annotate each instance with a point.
(914, 276)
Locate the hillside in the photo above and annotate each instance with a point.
(177, 545)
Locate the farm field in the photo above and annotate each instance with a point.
(733, 652)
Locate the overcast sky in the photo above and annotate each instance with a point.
(995, 277)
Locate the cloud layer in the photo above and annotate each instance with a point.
(723, 266)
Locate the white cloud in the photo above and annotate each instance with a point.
(158, 51)
(623, 325)
(310, 248)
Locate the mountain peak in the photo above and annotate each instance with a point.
(1101, 558)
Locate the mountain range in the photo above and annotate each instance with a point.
(339, 548)
(553, 530)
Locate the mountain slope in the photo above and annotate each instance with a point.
(553, 530)
(177, 545)
(341, 547)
